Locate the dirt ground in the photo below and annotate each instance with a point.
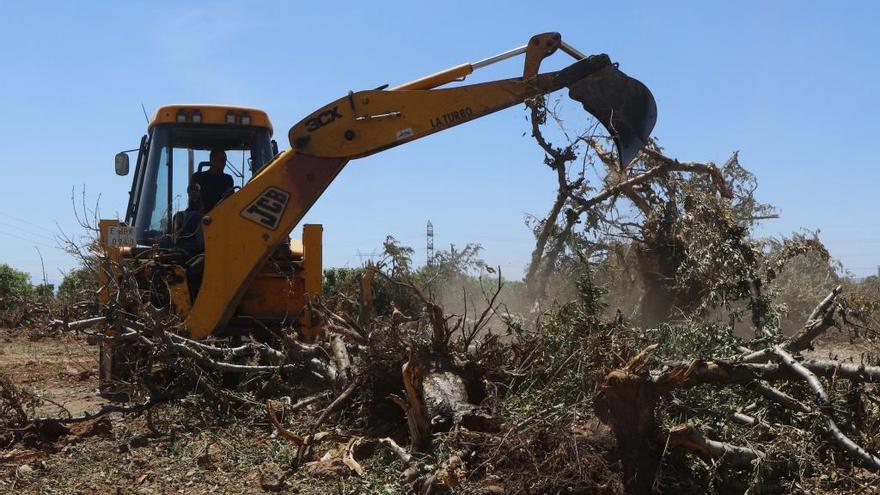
(840, 349)
(61, 369)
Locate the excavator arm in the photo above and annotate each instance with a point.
(244, 229)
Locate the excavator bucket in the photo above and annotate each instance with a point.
(622, 104)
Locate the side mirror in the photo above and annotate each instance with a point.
(274, 148)
(122, 163)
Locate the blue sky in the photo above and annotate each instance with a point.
(791, 85)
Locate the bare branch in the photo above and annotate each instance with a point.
(720, 372)
(826, 407)
(687, 437)
(820, 320)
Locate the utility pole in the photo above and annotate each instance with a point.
(430, 250)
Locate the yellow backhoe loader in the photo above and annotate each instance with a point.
(230, 267)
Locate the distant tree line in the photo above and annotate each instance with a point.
(16, 286)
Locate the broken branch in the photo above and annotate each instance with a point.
(825, 406)
(688, 438)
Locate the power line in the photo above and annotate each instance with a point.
(28, 240)
(28, 222)
(361, 256)
(30, 232)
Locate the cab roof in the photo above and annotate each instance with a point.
(210, 114)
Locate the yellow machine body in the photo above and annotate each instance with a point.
(250, 269)
(279, 291)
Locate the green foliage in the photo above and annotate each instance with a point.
(398, 256)
(79, 284)
(346, 281)
(45, 291)
(690, 340)
(454, 263)
(570, 342)
(14, 283)
(341, 280)
(719, 258)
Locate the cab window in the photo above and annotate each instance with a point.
(176, 151)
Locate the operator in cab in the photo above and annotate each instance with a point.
(214, 184)
(188, 225)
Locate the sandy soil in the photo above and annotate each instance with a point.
(62, 370)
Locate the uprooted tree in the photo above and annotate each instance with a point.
(660, 223)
